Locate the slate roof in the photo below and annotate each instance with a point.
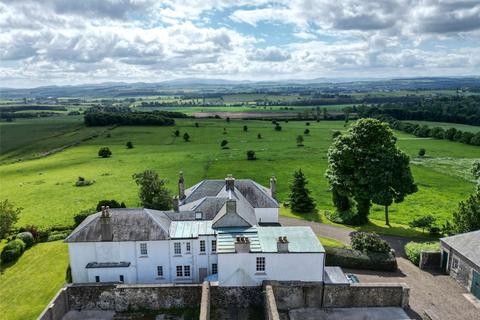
(127, 225)
(467, 244)
(208, 206)
(257, 195)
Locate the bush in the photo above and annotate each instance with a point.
(245, 128)
(104, 152)
(196, 124)
(54, 236)
(111, 203)
(278, 127)
(354, 259)
(251, 155)
(306, 132)
(422, 152)
(223, 144)
(33, 229)
(259, 136)
(82, 182)
(129, 145)
(425, 222)
(13, 250)
(414, 249)
(27, 238)
(79, 217)
(186, 137)
(369, 242)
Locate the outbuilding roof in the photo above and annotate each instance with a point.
(190, 229)
(467, 244)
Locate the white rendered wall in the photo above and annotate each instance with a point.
(267, 215)
(239, 269)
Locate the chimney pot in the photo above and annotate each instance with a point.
(282, 244)
(106, 225)
(229, 183)
(242, 244)
(273, 187)
(175, 204)
(181, 186)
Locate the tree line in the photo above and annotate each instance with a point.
(128, 119)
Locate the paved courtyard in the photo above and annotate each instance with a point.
(433, 292)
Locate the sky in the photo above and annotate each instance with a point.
(66, 42)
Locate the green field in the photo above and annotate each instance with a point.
(28, 285)
(442, 177)
(445, 125)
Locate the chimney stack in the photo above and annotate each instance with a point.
(282, 244)
(106, 224)
(231, 206)
(229, 183)
(175, 204)
(181, 186)
(242, 244)
(273, 187)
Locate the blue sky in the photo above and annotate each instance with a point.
(69, 42)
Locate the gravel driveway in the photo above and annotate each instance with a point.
(432, 291)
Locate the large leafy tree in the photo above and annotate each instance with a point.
(153, 193)
(365, 164)
(8, 217)
(300, 199)
(467, 218)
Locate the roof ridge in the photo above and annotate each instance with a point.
(158, 222)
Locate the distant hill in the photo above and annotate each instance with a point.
(179, 86)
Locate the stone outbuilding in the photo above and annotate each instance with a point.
(461, 259)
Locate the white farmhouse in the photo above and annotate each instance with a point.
(226, 230)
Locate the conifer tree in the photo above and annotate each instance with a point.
(300, 199)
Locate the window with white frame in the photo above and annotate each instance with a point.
(260, 264)
(159, 271)
(202, 246)
(179, 271)
(214, 268)
(143, 249)
(177, 248)
(454, 264)
(186, 271)
(214, 246)
(187, 247)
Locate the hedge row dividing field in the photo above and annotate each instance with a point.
(45, 187)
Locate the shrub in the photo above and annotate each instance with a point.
(422, 152)
(27, 238)
(82, 215)
(245, 128)
(228, 119)
(223, 144)
(104, 152)
(354, 259)
(414, 249)
(425, 222)
(336, 133)
(129, 145)
(251, 155)
(196, 124)
(300, 141)
(54, 236)
(33, 229)
(369, 242)
(308, 123)
(259, 136)
(82, 182)
(278, 127)
(111, 203)
(186, 137)
(176, 133)
(13, 250)
(8, 217)
(306, 131)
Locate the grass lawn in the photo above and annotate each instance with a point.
(28, 285)
(28, 184)
(329, 242)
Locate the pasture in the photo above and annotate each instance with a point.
(45, 187)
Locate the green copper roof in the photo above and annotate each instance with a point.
(190, 229)
(264, 239)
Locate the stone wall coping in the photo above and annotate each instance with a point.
(379, 285)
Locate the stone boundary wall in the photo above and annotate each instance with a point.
(205, 303)
(271, 311)
(430, 260)
(293, 295)
(57, 308)
(241, 297)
